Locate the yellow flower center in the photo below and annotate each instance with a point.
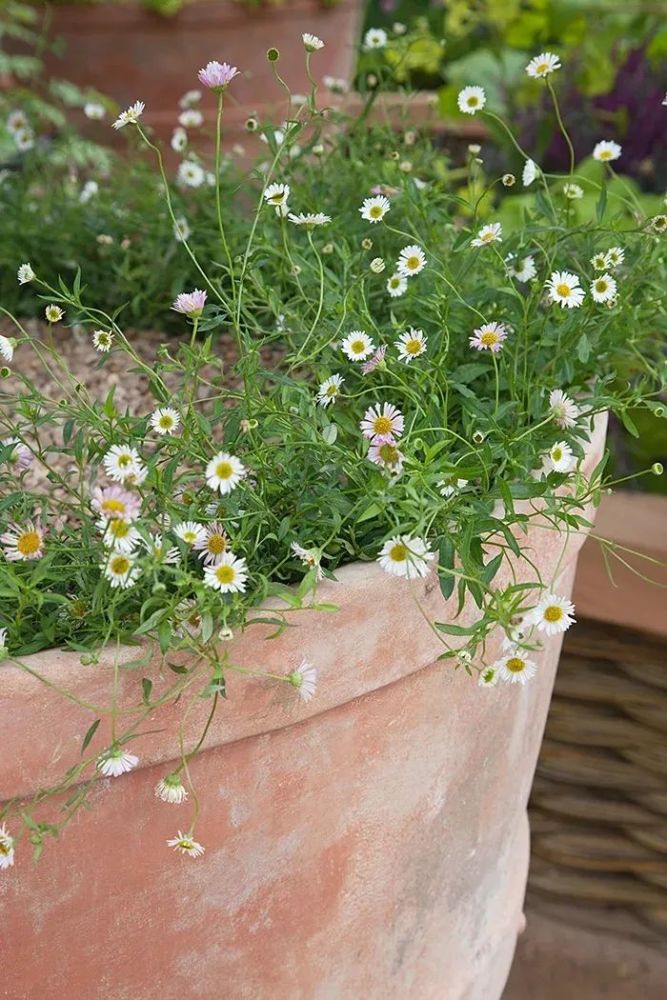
(398, 552)
(413, 346)
(382, 425)
(389, 454)
(487, 237)
(556, 454)
(225, 574)
(412, 263)
(553, 613)
(601, 286)
(515, 664)
(29, 543)
(542, 67)
(357, 347)
(114, 506)
(489, 338)
(190, 537)
(331, 390)
(166, 421)
(224, 470)
(563, 290)
(119, 565)
(394, 282)
(124, 460)
(276, 199)
(119, 528)
(4, 849)
(216, 544)
(376, 211)
(605, 154)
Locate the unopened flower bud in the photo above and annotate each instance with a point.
(474, 149)
(509, 180)
(657, 468)
(367, 244)
(273, 55)
(377, 265)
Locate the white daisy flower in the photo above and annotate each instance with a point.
(23, 542)
(530, 171)
(179, 140)
(25, 274)
(573, 191)
(115, 762)
(382, 423)
(213, 544)
(411, 260)
(187, 619)
(189, 98)
(491, 233)
(54, 313)
(471, 100)
(311, 43)
(552, 615)
(182, 231)
(190, 118)
(375, 38)
(543, 65)
(184, 843)
(3, 642)
(228, 575)
(309, 219)
(410, 344)
(405, 556)
(131, 116)
(94, 111)
(102, 340)
(374, 209)
(397, 285)
(309, 557)
(304, 679)
(17, 121)
(277, 195)
(606, 150)
(357, 346)
(165, 420)
(614, 257)
(488, 677)
(24, 140)
(224, 472)
(565, 290)
(88, 191)
(489, 337)
(515, 668)
(6, 349)
(329, 389)
(190, 532)
(599, 261)
(122, 462)
(118, 534)
(603, 288)
(563, 410)
(120, 570)
(336, 85)
(171, 789)
(6, 848)
(561, 457)
(190, 174)
(450, 485)
(160, 551)
(523, 272)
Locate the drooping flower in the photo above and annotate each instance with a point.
(524, 271)
(515, 668)
(450, 485)
(213, 544)
(122, 462)
(228, 575)
(561, 457)
(488, 677)
(411, 344)
(131, 116)
(377, 359)
(23, 542)
(190, 174)
(311, 43)
(19, 457)
(375, 209)
(388, 456)
(471, 100)
(491, 233)
(552, 615)
(564, 411)
(603, 288)
(115, 762)
(304, 679)
(309, 219)
(121, 570)
(375, 38)
(216, 76)
(191, 304)
(489, 337)
(565, 290)
(25, 274)
(184, 843)
(309, 557)
(529, 173)
(406, 556)
(156, 546)
(165, 420)
(397, 285)
(187, 618)
(382, 423)
(573, 191)
(171, 789)
(54, 313)
(411, 261)
(543, 65)
(606, 150)
(277, 195)
(329, 390)
(224, 472)
(190, 532)
(6, 349)
(357, 346)
(6, 848)
(614, 257)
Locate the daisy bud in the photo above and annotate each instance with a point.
(251, 124)
(225, 634)
(377, 265)
(328, 248)
(54, 313)
(318, 150)
(311, 43)
(657, 469)
(395, 155)
(158, 588)
(474, 149)
(405, 166)
(509, 180)
(478, 437)
(367, 244)
(5, 372)
(273, 55)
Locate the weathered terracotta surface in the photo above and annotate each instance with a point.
(372, 843)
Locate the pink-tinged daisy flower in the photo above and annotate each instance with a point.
(515, 668)
(488, 234)
(411, 344)
(471, 100)
(561, 458)
(543, 65)
(565, 290)
(382, 423)
(115, 762)
(184, 843)
(606, 150)
(405, 556)
(357, 346)
(489, 337)
(304, 679)
(6, 848)
(23, 542)
(217, 76)
(228, 575)
(372, 363)
(171, 789)
(120, 569)
(213, 544)
(113, 501)
(131, 116)
(224, 472)
(122, 463)
(552, 615)
(388, 456)
(564, 411)
(19, 456)
(191, 304)
(329, 390)
(411, 261)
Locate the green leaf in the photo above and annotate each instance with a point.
(92, 729)
(446, 554)
(146, 688)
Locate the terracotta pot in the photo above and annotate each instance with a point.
(372, 842)
(132, 54)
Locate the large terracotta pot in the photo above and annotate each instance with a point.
(372, 842)
(133, 54)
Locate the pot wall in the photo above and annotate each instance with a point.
(373, 842)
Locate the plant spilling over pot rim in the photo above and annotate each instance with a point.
(435, 398)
